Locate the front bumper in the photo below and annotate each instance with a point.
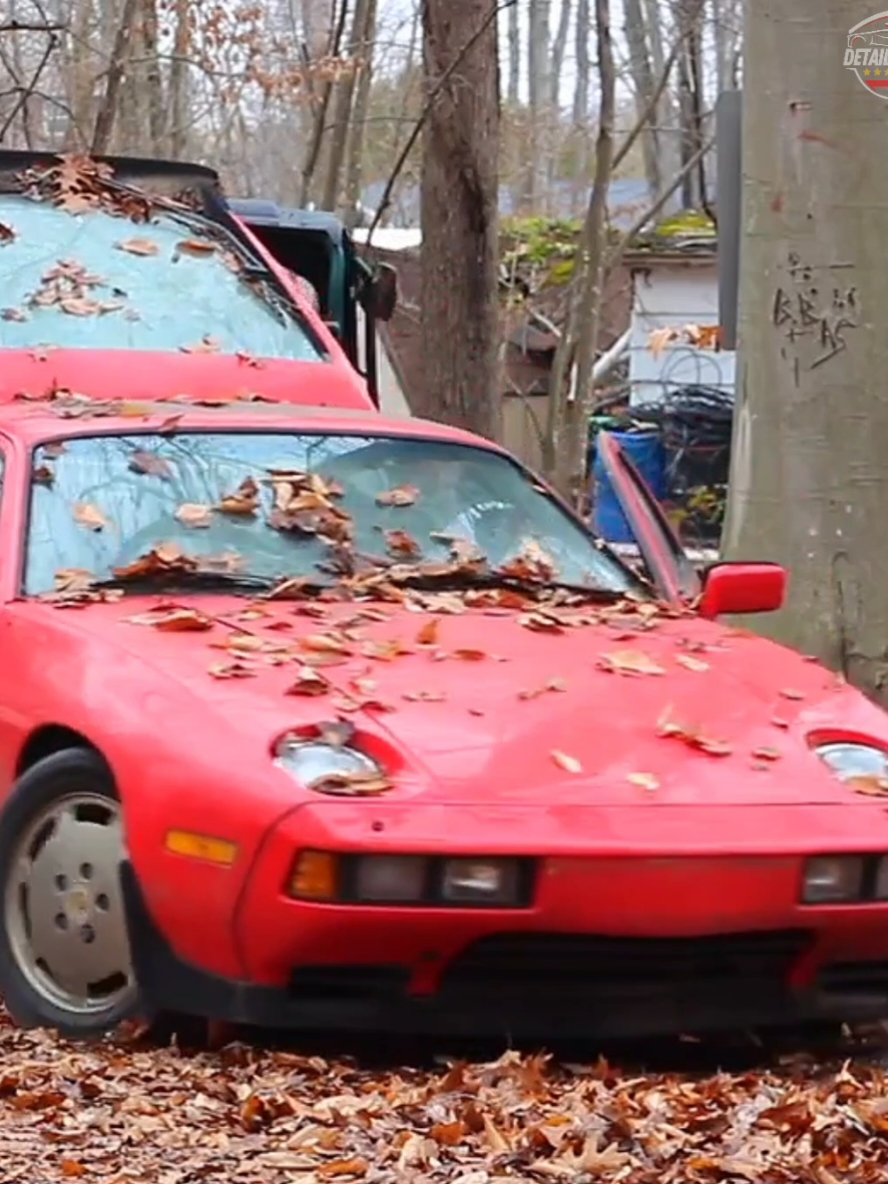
(613, 947)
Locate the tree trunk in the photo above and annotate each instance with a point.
(460, 307)
(643, 79)
(665, 116)
(809, 471)
(581, 81)
(179, 79)
(321, 104)
(358, 129)
(342, 109)
(571, 379)
(514, 57)
(107, 113)
(538, 100)
(153, 77)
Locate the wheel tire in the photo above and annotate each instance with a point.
(28, 989)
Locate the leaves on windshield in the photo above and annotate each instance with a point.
(402, 545)
(198, 247)
(70, 287)
(402, 495)
(150, 464)
(79, 184)
(243, 502)
(304, 505)
(42, 475)
(7, 234)
(139, 246)
(194, 515)
(90, 516)
(206, 345)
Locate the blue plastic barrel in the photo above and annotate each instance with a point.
(645, 450)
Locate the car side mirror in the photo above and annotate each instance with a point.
(384, 293)
(743, 588)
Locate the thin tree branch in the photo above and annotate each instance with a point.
(28, 91)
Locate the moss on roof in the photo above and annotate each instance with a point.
(674, 232)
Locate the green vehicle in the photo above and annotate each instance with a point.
(316, 246)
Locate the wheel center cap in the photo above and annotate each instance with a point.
(78, 904)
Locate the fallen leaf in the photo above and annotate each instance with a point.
(175, 620)
(206, 345)
(469, 655)
(42, 475)
(402, 495)
(244, 501)
(343, 1167)
(194, 516)
(308, 683)
(424, 696)
(232, 670)
(569, 764)
(644, 780)
(871, 785)
(352, 784)
(690, 663)
(402, 545)
(428, 634)
(630, 662)
(89, 516)
(766, 753)
(197, 247)
(149, 464)
(789, 693)
(72, 1168)
(7, 234)
(138, 246)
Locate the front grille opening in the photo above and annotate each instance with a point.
(552, 963)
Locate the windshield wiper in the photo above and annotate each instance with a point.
(182, 578)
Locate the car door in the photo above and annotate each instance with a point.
(671, 571)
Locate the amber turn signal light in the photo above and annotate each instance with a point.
(315, 876)
(204, 847)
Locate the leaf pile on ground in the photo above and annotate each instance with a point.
(123, 1113)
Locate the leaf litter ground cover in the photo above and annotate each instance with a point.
(125, 1111)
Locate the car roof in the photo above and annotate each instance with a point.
(33, 421)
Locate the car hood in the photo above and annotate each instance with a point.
(154, 377)
(495, 710)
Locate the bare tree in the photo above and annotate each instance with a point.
(120, 52)
(342, 104)
(809, 477)
(358, 122)
(514, 56)
(460, 309)
(538, 85)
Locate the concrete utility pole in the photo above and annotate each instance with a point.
(809, 473)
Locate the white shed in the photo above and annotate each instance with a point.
(672, 288)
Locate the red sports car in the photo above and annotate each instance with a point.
(317, 719)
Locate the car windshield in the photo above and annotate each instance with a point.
(98, 281)
(277, 504)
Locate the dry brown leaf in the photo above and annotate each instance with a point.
(402, 545)
(232, 670)
(89, 516)
(149, 464)
(766, 753)
(42, 475)
(138, 246)
(690, 663)
(194, 516)
(174, 620)
(243, 502)
(198, 247)
(402, 495)
(469, 655)
(568, 763)
(309, 683)
(630, 662)
(72, 1168)
(428, 634)
(870, 785)
(644, 780)
(789, 693)
(207, 345)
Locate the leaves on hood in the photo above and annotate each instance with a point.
(428, 633)
(646, 781)
(790, 693)
(235, 669)
(309, 683)
(554, 684)
(174, 619)
(692, 736)
(869, 784)
(634, 662)
(691, 663)
(564, 761)
(401, 495)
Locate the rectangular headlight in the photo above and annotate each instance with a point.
(391, 879)
(481, 881)
(832, 879)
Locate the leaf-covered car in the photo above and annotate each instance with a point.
(121, 274)
(313, 718)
